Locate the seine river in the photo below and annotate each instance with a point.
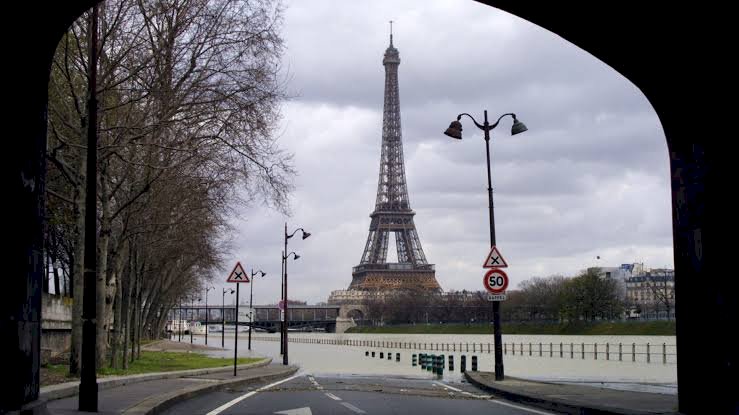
(657, 375)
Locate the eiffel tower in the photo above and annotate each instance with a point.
(392, 212)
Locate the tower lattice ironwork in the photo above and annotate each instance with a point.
(392, 214)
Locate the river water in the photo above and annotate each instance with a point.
(658, 375)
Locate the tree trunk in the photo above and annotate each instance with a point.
(77, 279)
(117, 277)
(126, 306)
(103, 317)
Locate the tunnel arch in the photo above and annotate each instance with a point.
(646, 44)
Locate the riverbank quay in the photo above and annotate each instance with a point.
(154, 392)
(575, 399)
(616, 328)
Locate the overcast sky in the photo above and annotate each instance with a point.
(590, 178)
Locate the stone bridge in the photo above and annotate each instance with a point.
(331, 318)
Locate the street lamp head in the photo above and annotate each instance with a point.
(455, 130)
(297, 256)
(264, 274)
(518, 127)
(306, 235)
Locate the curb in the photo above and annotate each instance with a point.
(556, 405)
(65, 390)
(160, 403)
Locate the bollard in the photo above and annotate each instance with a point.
(529, 348)
(620, 354)
(451, 362)
(551, 349)
(595, 350)
(463, 364)
(633, 352)
(414, 360)
(540, 349)
(608, 351)
(649, 355)
(582, 349)
(505, 348)
(474, 363)
(560, 349)
(664, 353)
(397, 357)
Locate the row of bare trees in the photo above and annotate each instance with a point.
(587, 296)
(188, 94)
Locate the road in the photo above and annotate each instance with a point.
(305, 394)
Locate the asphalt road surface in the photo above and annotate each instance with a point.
(305, 394)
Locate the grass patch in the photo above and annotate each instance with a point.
(152, 361)
(59, 371)
(648, 328)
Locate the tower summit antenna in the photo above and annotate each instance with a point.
(391, 33)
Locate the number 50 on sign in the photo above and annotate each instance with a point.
(495, 281)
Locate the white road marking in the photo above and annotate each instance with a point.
(449, 387)
(246, 395)
(298, 411)
(523, 408)
(332, 396)
(353, 408)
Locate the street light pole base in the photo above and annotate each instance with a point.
(88, 397)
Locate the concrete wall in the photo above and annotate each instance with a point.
(56, 325)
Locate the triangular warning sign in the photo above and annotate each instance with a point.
(494, 259)
(238, 274)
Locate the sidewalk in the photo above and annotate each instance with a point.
(575, 399)
(144, 396)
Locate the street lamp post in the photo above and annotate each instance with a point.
(284, 293)
(223, 315)
(192, 315)
(179, 323)
(251, 297)
(207, 312)
(455, 131)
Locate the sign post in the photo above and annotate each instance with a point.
(238, 275)
(495, 281)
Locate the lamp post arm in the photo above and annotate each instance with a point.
(294, 232)
(480, 126)
(500, 118)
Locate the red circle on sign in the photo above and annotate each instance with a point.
(495, 281)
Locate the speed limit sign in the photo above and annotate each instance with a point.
(495, 281)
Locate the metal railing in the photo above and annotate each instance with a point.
(622, 352)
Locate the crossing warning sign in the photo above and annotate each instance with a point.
(494, 259)
(238, 274)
